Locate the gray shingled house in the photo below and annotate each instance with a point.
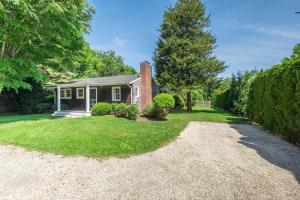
(81, 95)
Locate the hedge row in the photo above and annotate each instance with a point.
(274, 99)
(121, 110)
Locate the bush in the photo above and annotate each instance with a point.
(162, 104)
(62, 107)
(149, 111)
(274, 99)
(113, 108)
(28, 99)
(132, 112)
(43, 108)
(101, 109)
(121, 110)
(179, 101)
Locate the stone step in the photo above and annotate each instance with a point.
(71, 114)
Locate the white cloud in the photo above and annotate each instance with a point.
(283, 32)
(120, 42)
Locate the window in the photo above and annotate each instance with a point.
(136, 91)
(116, 93)
(80, 93)
(66, 93)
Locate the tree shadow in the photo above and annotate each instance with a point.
(6, 119)
(271, 148)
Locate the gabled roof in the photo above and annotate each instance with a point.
(102, 81)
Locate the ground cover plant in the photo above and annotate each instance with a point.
(101, 136)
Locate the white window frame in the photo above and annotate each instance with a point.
(63, 93)
(77, 93)
(113, 94)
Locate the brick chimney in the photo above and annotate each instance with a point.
(146, 84)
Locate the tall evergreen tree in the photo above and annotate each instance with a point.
(183, 56)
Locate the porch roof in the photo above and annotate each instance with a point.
(101, 81)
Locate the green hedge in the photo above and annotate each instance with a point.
(274, 99)
(101, 109)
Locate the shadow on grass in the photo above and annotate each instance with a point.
(18, 118)
(211, 114)
(271, 148)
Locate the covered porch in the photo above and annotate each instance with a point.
(85, 97)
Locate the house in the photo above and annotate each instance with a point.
(81, 95)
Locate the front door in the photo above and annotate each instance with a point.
(93, 96)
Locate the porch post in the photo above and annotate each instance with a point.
(87, 98)
(58, 99)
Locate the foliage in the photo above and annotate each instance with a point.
(39, 33)
(132, 112)
(28, 99)
(233, 95)
(179, 101)
(62, 107)
(162, 103)
(43, 108)
(101, 109)
(183, 56)
(149, 111)
(102, 63)
(274, 99)
(100, 136)
(114, 108)
(121, 109)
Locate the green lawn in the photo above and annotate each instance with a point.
(100, 136)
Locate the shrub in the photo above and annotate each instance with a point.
(179, 101)
(113, 108)
(27, 100)
(149, 111)
(132, 112)
(274, 99)
(43, 108)
(101, 109)
(162, 104)
(121, 110)
(62, 107)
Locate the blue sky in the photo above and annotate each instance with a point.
(250, 33)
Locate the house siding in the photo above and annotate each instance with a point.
(104, 94)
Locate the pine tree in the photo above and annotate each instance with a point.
(183, 56)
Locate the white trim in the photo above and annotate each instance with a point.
(77, 94)
(131, 93)
(87, 99)
(113, 95)
(58, 99)
(135, 80)
(94, 88)
(63, 91)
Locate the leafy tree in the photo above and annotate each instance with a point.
(39, 33)
(102, 63)
(183, 56)
(296, 51)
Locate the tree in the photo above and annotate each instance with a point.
(296, 51)
(34, 34)
(102, 63)
(183, 56)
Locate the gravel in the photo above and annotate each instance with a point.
(207, 161)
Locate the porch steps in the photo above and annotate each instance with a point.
(71, 113)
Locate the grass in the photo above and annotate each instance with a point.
(101, 136)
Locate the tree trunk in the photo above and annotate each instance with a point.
(3, 45)
(189, 101)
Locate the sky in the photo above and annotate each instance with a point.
(251, 34)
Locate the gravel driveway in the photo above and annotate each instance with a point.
(207, 161)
